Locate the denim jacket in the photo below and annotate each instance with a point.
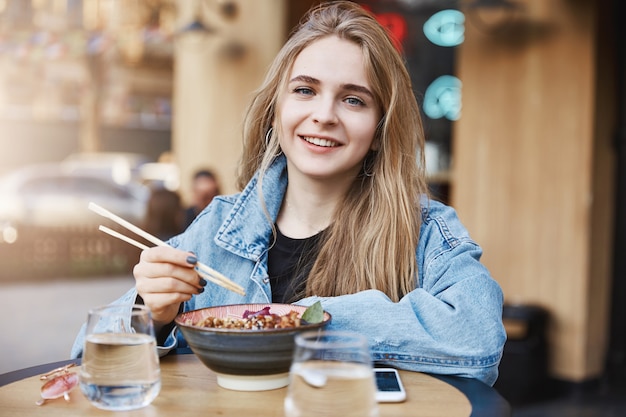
(451, 324)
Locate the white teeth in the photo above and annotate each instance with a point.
(320, 142)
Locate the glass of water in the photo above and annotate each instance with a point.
(120, 365)
(331, 375)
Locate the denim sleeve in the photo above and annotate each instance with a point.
(128, 298)
(451, 324)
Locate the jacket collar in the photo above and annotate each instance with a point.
(247, 231)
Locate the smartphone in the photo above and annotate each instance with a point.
(389, 388)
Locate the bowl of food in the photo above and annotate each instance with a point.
(249, 346)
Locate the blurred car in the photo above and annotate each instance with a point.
(121, 167)
(53, 196)
(160, 175)
(125, 167)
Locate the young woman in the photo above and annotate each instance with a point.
(334, 207)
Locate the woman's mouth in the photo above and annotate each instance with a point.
(325, 143)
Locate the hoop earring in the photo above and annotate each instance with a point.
(368, 162)
(268, 136)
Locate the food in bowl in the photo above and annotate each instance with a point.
(246, 359)
(257, 320)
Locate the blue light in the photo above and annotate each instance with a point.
(446, 28)
(443, 98)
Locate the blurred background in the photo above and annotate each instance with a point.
(524, 109)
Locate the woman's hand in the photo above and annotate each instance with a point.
(164, 278)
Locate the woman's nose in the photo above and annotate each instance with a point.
(325, 112)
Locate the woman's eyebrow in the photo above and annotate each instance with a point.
(350, 87)
(359, 89)
(305, 78)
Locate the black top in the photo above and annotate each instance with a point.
(289, 263)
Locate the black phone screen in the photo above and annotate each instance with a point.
(387, 381)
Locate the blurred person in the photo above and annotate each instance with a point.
(204, 188)
(164, 215)
(334, 208)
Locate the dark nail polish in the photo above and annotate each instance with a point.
(203, 282)
(192, 260)
(201, 290)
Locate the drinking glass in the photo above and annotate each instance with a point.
(120, 365)
(331, 375)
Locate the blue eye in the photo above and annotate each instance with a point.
(303, 90)
(355, 101)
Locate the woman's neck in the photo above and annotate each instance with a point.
(306, 211)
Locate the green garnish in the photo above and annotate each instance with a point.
(314, 313)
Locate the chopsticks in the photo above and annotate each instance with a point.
(203, 270)
(122, 237)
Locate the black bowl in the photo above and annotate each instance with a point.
(247, 360)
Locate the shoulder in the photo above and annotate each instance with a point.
(220, 206)
(208, 219)
(445, 246)
(443, 220)
(226, 200)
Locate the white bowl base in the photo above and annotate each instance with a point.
(253, 382)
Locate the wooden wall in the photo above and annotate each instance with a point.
(533, 169)
(212, 88)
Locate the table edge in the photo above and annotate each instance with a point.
(485, 400)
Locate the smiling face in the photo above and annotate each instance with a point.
(327, 112)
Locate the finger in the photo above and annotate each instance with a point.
(147, 268)
(167, 299)
(165, 306)
(169, 262)
(159, 285)
(167, 254)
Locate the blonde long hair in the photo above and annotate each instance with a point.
(372, 240)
